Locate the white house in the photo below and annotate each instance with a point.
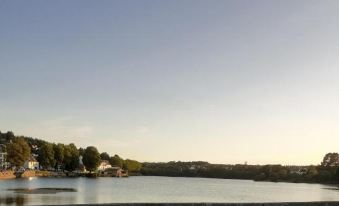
(3, 163)
(2, 159)
(31, 163)
(104, 164)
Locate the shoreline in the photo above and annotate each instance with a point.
(46, 174)
(7, 174)
(319, 203)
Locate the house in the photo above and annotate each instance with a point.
(3, 163)
(104, 164)
(2, 159)
(299, 170)
(193, 167)
(114, 171)
(31, 163)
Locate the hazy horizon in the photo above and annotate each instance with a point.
(217, 81)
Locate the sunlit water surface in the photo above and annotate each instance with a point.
(161, 189)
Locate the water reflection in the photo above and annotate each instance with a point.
(13, 200)
(331, 188)
(63, 191)
(19, 200)
(23, 196)
(46, 190)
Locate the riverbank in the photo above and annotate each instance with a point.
(214, 204)
(6, 174)
(9, 174)
(40, 173)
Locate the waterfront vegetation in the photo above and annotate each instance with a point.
(58, 156)
(307, 174)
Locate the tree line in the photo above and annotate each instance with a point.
(326, 172)
(66, 157)
(58, 156)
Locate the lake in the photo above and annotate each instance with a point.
(161, 189)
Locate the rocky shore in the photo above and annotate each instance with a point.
(7, 174)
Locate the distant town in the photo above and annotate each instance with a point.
(22, 157)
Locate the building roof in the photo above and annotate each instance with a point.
(32, 159)
(104, 162)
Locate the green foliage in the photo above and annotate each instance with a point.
(255, 172)
(324, 176)
(178, 169)
(116, 161)
(59, 153)
(81, 151)
(132, 165)
(49, 155)
(46, 156)
(6, 137)
(336, 176)
(330, 160)
(104, 156)
(91, 158)
(67, 156)
(18, 151)
(312, 173)
(71, 157)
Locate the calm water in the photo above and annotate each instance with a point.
(162, 189)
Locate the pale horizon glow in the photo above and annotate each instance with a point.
(218, 81)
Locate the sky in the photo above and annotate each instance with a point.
(229, 81)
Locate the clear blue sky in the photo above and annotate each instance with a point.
(220, 81)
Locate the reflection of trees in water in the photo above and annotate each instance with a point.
(40, 196)
(12, 200)
(19, 200)
(55, 200)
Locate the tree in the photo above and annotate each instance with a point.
(330, 160)
(116, 161)
(18, 151)
(6, 137)
(324, 176)
(59, 153)
(132, 165)
(46, 155)
(9, 136)
(336, 176)
(311, 172)
(91, 158)
(104, 156)
(81, 151)
(71, 157)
